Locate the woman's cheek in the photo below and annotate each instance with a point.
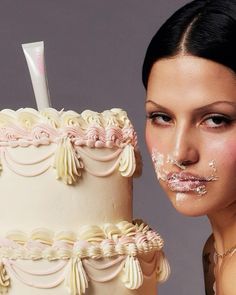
(224, 153)
(150, 138)
(156, 140)
(229, 159)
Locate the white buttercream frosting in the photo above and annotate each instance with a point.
(122, 243)
(127, 161)
(76, 279)
(133, 276)
(29, 117)
(72, 236)
(70, 130)
(135, 238)
(67, 162)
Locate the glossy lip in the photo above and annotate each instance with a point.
(186, 182)
(185, 176)
(186, 186)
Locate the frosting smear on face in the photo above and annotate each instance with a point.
(178, 181)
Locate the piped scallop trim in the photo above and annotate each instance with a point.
(70, 132)
(26, 126)
(80, 256)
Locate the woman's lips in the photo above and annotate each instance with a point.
(185, 186)
(185, 176)
(185, 182)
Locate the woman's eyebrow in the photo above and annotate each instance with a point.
(155, 104)
(199, 109)
(215, 104)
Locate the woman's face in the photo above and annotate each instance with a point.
(191, 133)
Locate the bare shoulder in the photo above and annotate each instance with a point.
(208, 265)
(229, 276)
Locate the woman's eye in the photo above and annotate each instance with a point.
(159, 118)
(217, 121)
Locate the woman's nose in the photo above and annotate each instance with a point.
(186, 148)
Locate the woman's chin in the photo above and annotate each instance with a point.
(188, 203)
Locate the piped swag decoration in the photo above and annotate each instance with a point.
(163, 268)
(76, 279)
(127, 163)
(67, 162)
(133, 275)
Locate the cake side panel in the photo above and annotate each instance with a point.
(33, 197)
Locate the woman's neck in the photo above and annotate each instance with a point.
(224, 228)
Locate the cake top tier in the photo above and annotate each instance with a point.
(28, 126)
(70, 135)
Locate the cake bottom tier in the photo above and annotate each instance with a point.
(124, 258)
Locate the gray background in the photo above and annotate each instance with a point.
(94, 54)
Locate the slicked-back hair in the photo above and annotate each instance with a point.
(202, 28)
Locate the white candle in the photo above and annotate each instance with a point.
(34, 54)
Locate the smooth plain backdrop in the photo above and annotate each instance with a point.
(94, 54)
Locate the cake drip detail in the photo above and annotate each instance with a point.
(93, 254)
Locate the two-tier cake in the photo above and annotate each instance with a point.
(66, 206)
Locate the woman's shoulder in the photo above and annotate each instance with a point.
(208, 265)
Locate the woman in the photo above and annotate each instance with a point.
(189, 72)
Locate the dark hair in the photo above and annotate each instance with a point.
(201, 28)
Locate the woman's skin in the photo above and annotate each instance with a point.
(191, 116)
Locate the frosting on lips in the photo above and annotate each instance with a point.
(182, 181)
(186, 182)
(185, 186)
